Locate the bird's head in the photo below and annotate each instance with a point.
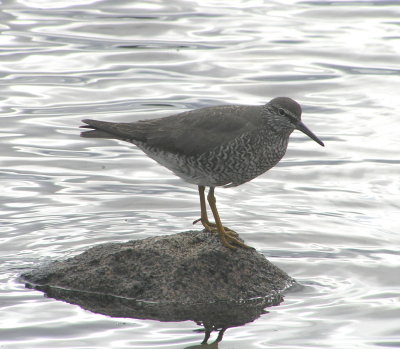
(287, 114)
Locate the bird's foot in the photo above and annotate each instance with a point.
(212, 227)
(229, 237)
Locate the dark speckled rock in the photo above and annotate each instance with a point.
(188, 267)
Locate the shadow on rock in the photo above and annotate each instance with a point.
(213, 317)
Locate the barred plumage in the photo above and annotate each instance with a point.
(216, 146)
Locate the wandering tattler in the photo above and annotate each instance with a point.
(225, 146)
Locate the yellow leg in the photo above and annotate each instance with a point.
(203, 211)
(226, 237)
(209, 226)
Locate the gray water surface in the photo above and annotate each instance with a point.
(328, 216)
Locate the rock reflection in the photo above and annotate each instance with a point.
(213, 317)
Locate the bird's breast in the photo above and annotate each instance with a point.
(232, 163)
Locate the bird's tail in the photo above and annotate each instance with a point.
(96, 129)
(125, 131)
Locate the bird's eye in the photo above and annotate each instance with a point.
(281, 112)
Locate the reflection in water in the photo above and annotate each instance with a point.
(218, 316)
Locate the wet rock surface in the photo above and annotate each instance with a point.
(189, 267)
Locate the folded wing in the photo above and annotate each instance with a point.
(189, 133)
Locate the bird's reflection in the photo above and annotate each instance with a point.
(213, 317)
(208, 329)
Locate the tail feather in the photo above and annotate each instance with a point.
(94, 132)
(114, 130)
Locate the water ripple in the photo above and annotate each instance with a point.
(328, 216)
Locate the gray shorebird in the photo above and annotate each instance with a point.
(224, 146)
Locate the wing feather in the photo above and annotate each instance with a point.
(188, 133)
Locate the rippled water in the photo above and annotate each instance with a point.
(328, 216)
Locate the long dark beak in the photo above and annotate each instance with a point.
(303, 128)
